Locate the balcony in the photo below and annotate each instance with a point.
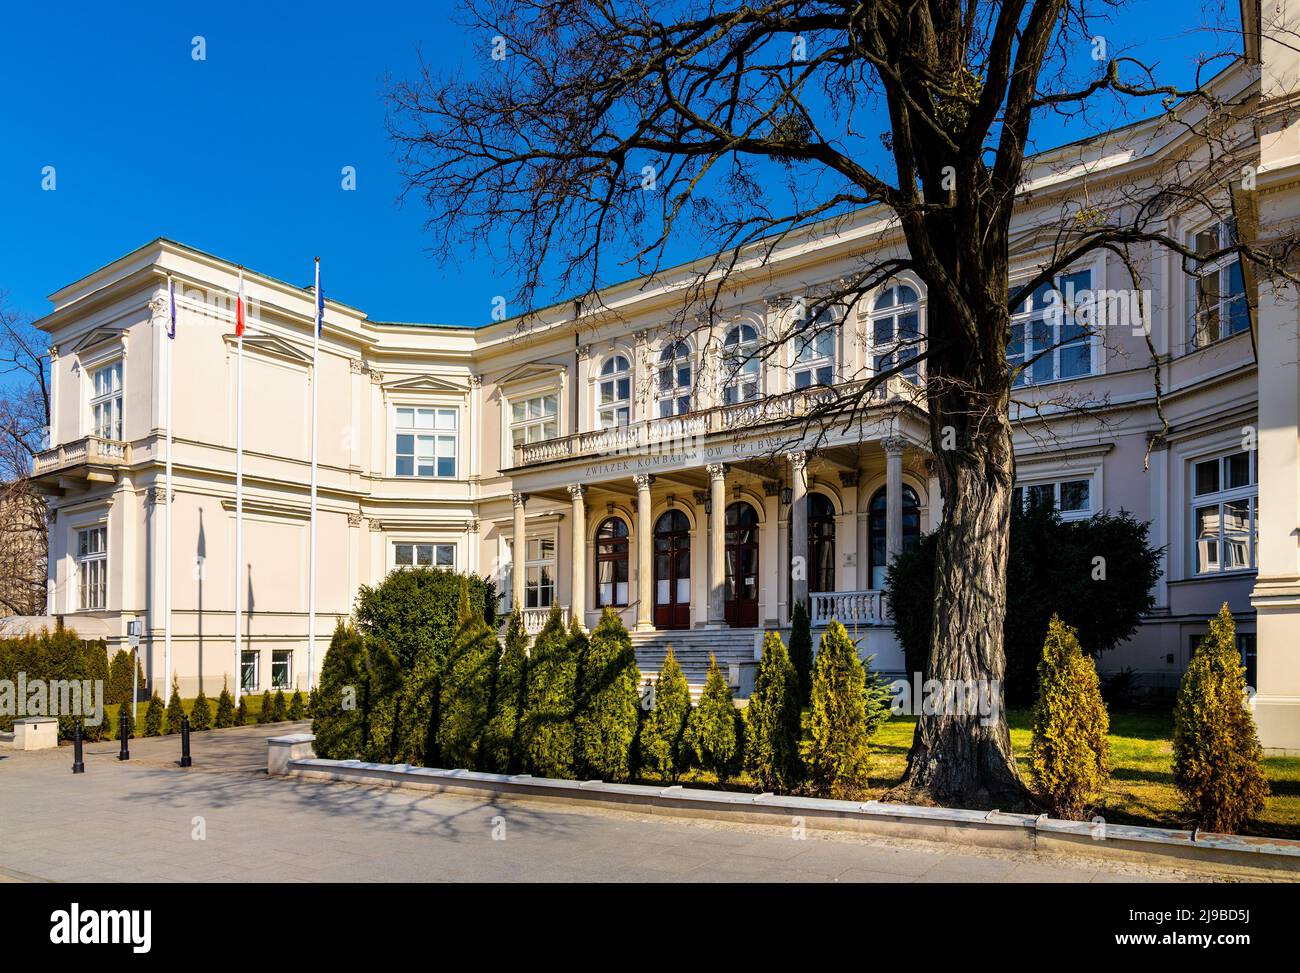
(79, 463)
(849, 608)
(649, 434)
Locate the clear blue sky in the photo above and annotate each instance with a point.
(240, 155)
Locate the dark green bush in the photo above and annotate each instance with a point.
(120, 681)
(200, 713)
(772, 718)
(608, 699)
(225, 708)
(552, 683)
(264, 712)
(153, 716)
(502, 753)
(837, 756)
(714, 730)
(466, 688)
(58, 657)
(175, 709)
(241, 714)
(661, 745)
(279, 707)
(354, 675)
(801, 653)
(297, 708)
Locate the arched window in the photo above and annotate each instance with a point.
(741, 367)
(673, 388)
(821, 543)
(814, 351)
(615, 392)
(896, 330)
(877, 516)
(611, 562)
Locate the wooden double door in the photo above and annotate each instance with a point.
(672, 566)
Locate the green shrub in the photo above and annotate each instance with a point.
(661, 742)
(548, 714)
(120, 681)
(509, 698)
(153, 716)
(297, 708)
(130, 722)
(801, 653)
(1216, 750)
(279, 707)
(225, 708)
(175, 709)
(354, 674)
(241, 714)
(200, 713)
(1069, 753)
(312, 699)
(837, 757)
(772, 720)
(466, 688)
(713, 732)
(264, 711)
(1051, 564)
(608, 702)
(58, 656)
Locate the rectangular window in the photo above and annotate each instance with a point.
(425, 556)
(92, 568)
(534, 420)
(814, 355)
(1072, 498)
(539, 572)
(1216, 291)
(248, 671)
(1225, 513)
(1048, 342)
(106, 401)
(281, 668)
(425, 442)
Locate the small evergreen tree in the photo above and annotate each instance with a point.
(552, 678)
(501, 748)
(241, 714)
(661, 747)
(340, 716)
(1069, 754)
(200, 712)
(713, 732)
(120, 685)
(466, 687)
(801, 653)
(608, 701)
(837, 756)
(264, 711)
(130, 722)
(225, 708)
(279, 707)
(772, 718)
(153, 716)
(1217, 756)
(297, 708)
(313, 698)
(175, 709)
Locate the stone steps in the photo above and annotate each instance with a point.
(692, 649)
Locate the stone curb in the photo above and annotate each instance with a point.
(1235, 855)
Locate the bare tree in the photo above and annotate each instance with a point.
(24, 411)
(754, 123)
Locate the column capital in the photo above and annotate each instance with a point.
(519, 499)
(577, 491)
(717, 471)
(643, 480)
(798, 460)
(894, 444)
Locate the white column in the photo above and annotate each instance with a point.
(717, 544)
(798, 528)
(578, 569)
(893, 497)
(645, 579)
(518, 553)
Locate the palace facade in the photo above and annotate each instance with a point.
(586, 456)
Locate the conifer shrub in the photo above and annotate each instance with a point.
(120, 681)
(552, 683)
(264, 711)
(201, 713)
(608, 702)
(1069, 753)
(279, 707)
(312, 699)
(57, 655)
(661, 747)
(337, 721)
(714, 733)
(225, 708)
(241, 713)
(153, 716)
(501, 746)
(466, 688)
(772, 721)
(1217, 755)
(297, 708)
(117, 722)
(175, 709)
(801, 649)
(837, 755)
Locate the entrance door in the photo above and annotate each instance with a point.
(673, 571)
(741, 592)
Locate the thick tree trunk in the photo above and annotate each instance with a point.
(962, 758)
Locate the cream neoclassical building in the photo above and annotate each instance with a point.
(600, 457)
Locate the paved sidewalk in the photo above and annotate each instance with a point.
(226, 821)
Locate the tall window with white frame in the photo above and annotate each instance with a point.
(814, 350)
(106, 401)
(534, 419)
(1225, 510)
(1049, 340)
(896, 331)
(741, 365)
(1216, 291)
(673, 381)
(425, 442)
(614, 392)
(539, 571)
(92, 568)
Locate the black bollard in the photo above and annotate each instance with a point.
(185, 742)
(125, 752)
(78, 765)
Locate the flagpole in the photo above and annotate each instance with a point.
(239, 484)
(167, 508)
(311, 555)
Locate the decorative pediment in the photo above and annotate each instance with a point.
(97, 338)
(423, 383)
(532, 370)
(272, 347)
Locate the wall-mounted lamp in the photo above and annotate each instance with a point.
(787, 495)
